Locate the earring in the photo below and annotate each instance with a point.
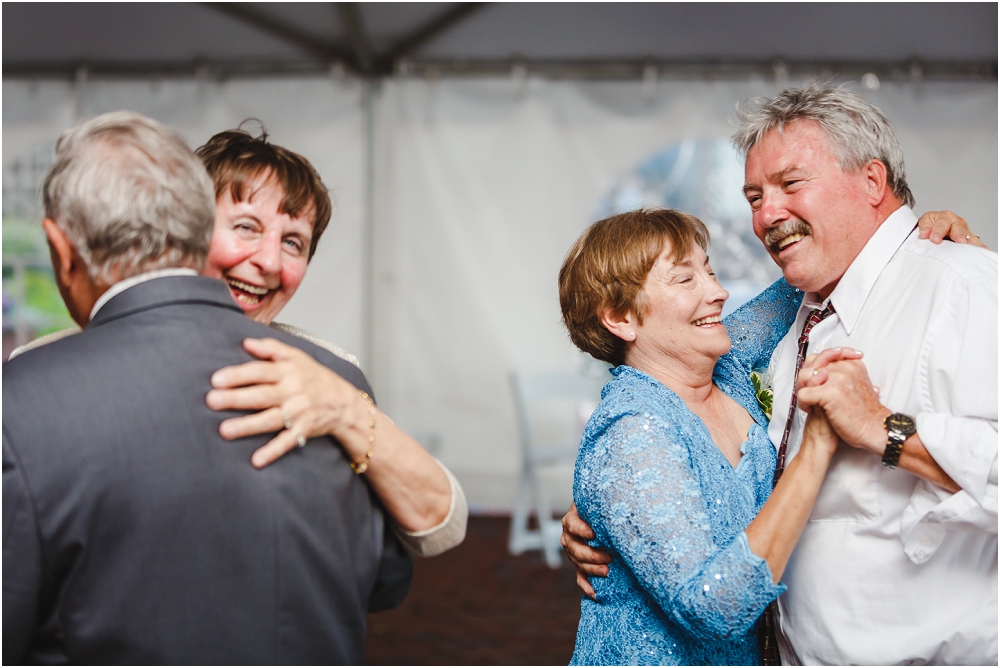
(633, 335)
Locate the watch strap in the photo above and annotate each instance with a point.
(893, 449)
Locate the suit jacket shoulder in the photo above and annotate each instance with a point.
(138, 535)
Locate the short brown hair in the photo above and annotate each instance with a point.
(234, 158)
(607, 267)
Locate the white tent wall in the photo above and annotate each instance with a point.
(320, 118)
(480, 186)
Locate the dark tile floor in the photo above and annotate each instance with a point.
(477, 605)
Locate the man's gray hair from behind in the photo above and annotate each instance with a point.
(858, 130)
(130, 196)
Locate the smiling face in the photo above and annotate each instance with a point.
(813, 217)
(681, 313)
(260, 253)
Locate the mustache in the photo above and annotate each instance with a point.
(787, 228)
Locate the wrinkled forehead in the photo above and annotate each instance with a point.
(670, 256)
(265, 182)
(796, 144)
(790, 134)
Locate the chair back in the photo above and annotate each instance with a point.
(553, 407)
(552, 411)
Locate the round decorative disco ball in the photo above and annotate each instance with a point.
(703, 177)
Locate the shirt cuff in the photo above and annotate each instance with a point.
(449, 533)
(966, 448)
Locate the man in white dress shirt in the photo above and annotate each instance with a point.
(898, 563)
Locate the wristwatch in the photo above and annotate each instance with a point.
(899, 427)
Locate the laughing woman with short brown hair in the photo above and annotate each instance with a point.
(675, 468)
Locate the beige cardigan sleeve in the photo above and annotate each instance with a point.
(446, 535)
(43, 340)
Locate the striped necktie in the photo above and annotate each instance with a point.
(770, 655)
(815, 317)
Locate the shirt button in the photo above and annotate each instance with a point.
(926, 541)
(921, 554)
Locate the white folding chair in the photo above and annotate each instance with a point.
(550, 400)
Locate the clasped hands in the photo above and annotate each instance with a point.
(287, 386)
(836, 381)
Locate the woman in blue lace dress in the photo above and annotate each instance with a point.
(675, 469)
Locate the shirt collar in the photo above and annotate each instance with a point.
(857, 282)
(122, 286)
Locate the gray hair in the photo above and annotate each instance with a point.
(858, 130)
(131, 197)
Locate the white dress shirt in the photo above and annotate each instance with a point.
(891, 569)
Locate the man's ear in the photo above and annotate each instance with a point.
(76, 288)
(878, 182)
(621, 326)
(64, 258)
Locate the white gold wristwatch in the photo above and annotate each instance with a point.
(900, 427)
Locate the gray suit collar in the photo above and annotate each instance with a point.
(164, 292)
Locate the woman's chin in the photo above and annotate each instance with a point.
(715, 345)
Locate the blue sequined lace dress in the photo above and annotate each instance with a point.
(684, 587)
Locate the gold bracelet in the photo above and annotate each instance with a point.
(363, 466)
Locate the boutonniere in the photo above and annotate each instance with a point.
(762, 389)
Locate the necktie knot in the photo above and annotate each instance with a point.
(815, 317)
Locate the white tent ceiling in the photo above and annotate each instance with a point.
(580, 39)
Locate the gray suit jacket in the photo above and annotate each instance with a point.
(132, 533)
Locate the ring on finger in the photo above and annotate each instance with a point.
(300, 440)
(815, 372)
(970, 235)
(287, 420)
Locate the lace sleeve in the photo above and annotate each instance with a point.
(638, 490)
(758, 326)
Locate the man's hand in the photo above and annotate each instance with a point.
(842, 389)
(586, 559)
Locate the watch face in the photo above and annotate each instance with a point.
(902, 423)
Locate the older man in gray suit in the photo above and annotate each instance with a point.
(132, 532)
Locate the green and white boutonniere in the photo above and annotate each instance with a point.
(762, 389)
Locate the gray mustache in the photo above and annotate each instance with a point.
(787, 228)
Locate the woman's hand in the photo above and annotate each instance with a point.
(295, 395)
(940, 225)
(814, 370)
(819, 436)
(299, 397)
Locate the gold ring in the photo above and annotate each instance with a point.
(970, 235)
